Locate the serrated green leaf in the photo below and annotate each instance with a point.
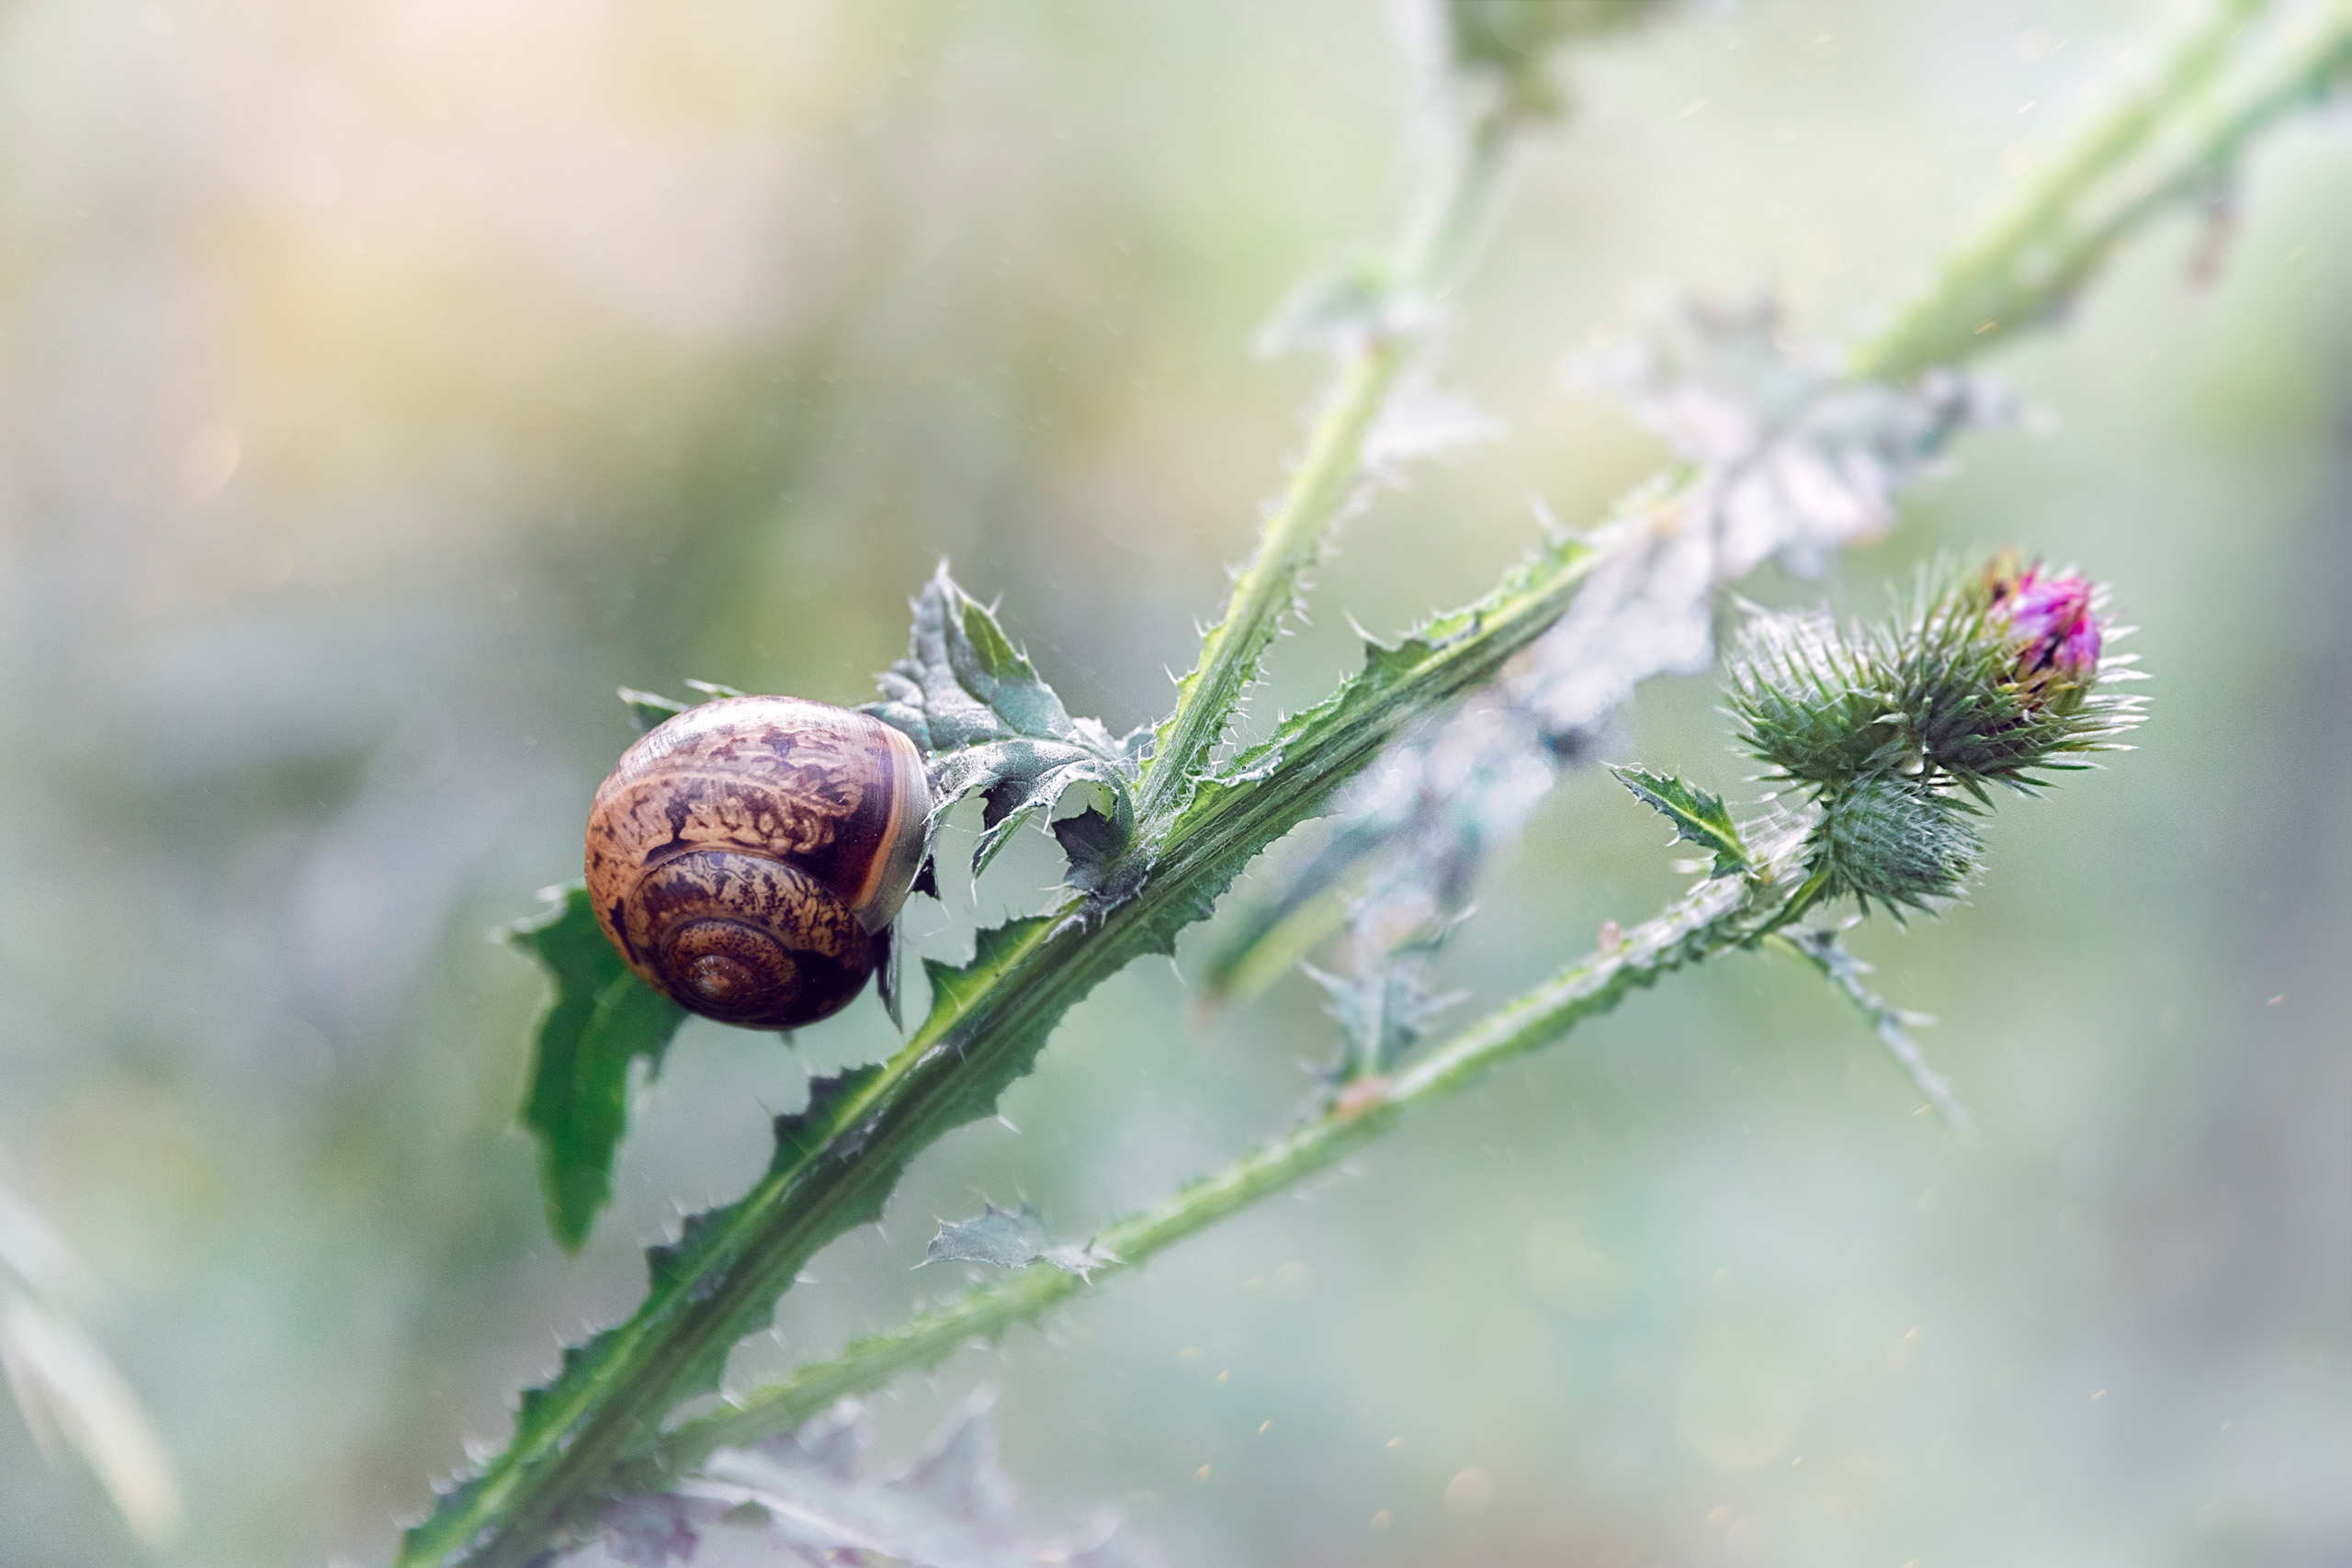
(651, 709)
(1006, 1238)
(1025, 781)
(991, 726)
(956, 988)
(598, 1019)
(962, 682)
(693, 1274)
(1698, 817)
(1385, 1012)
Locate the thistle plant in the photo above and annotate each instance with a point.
(1882, 744)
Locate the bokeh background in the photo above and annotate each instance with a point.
(387, 381)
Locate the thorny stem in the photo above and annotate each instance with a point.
(1330, 472)
(1718, 916)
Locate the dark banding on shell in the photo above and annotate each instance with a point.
(745, 857)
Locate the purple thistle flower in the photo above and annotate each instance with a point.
(2050, 620)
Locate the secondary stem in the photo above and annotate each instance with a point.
(1717, 917)
(1329, 473)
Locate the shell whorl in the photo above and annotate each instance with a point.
(746, 856)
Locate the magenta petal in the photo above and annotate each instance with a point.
(2052, 621)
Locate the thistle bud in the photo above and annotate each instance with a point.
(1886, 839)
(1988, 678)
(1995, 677)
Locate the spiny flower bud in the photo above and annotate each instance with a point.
(1991, 677)
(1886, 839)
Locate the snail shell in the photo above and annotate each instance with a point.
(747, 857)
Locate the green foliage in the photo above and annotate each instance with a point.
(1007, 1238)
(598, 1019)
(2166, 138)
(1385, 1011)
(991, 726)
(962, 993)
(705, 1291)
(838, 1161)
(1698, 817)
(1315, 751)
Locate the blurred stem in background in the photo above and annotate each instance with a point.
(1719, 916)
(1379, 319)
(2159, 140)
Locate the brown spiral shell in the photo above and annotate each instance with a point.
(747, 857)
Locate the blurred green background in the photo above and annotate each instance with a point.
(385, 382)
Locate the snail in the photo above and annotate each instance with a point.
(748, 856)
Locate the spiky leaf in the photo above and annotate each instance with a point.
(649, 709)
(1698, 817)
(992, 727)
(599, 1018)
(1385, 1011)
